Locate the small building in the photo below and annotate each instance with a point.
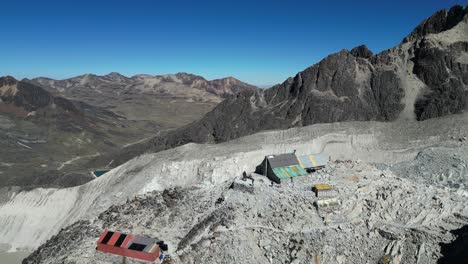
(132, 246)
(323, 190)
(313, 162)
(280, 167)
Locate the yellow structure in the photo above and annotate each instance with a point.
(323, 190)
(322, 187)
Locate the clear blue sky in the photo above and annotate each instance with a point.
(261, 42)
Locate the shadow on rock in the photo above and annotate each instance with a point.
(457, 250)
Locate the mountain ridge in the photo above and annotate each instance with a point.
(420, 79)
(219, 87)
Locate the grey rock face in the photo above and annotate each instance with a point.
(440, 21)
(362, 51)
(445, 77)
(330, 91)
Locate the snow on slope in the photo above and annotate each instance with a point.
(41, 213)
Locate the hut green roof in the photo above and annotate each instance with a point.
(289, 171)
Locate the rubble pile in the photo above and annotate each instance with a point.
(381, 218)
(439, 165)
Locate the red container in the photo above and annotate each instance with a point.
(137, 247)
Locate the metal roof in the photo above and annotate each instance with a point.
(322, 187)
(313, 161)
(282, 160)
(139, 247)
(289, 171)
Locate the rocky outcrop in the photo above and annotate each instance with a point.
(341, 87)
(441, 21)
(445, 76)
(362, 51)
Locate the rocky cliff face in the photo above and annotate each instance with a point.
(445, 72)
(440, 21)
(357, 85)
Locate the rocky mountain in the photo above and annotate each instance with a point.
(398, 167)
(424, 77)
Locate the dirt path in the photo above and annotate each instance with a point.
(68, 162)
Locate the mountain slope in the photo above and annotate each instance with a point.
(426, 76)
(39, 132)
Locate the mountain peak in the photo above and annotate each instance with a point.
(114, 75)
(188, 76)
(7, 80)
(8, 86)
(229, 79)
(361, 51)
(231, 85)
(440, 21)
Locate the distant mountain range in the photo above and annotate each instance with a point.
(163, 101)
(183, 85)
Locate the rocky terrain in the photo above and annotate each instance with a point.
(193, 198)
(424, 77)
(393, 123)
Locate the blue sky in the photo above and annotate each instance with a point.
(261, 42)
